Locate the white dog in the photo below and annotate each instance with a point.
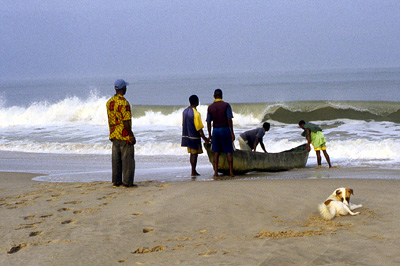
(338, 204)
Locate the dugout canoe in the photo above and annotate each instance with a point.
(250, 161)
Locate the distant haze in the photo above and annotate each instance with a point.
(87, 38)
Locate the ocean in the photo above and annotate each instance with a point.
(57, 127)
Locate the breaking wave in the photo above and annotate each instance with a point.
(92, 111)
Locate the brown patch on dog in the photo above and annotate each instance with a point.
(339, 195)
(327, 202)
(349, 192)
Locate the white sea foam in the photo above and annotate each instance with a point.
(76, 126)
(92, 111)
(70, 110)
(362, 127)
(345, 152)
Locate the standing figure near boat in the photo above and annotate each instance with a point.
(314, 136)
(249, 140)
(192, 132)
(219, 118)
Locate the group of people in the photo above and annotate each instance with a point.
(219, 127)
(220, 134)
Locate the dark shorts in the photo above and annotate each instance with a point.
(222, 140)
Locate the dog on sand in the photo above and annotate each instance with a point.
(338, 204)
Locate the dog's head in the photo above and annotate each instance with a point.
(343, 194)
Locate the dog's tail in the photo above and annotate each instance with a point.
(325, 213)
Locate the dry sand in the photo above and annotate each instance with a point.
(235, 222)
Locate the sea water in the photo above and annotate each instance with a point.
(58, 126)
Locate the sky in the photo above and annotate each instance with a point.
(48, 38)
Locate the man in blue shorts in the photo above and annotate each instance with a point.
(219, 113)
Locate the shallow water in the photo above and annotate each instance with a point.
(359, 111)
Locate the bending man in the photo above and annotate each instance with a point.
(249, 140)
(314, 136)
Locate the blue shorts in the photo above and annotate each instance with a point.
(222, 140)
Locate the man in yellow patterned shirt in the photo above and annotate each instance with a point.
(121, 136)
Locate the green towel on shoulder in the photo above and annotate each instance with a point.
(312, 127)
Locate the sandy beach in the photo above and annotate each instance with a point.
(230, 222)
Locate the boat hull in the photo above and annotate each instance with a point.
(249, 161)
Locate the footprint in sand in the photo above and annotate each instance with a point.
(52, 199)
(107, 197)
(17, 248)
(64, 209)
(27, 226)
(12, 205)
(147, 229)
(29, 217)
(35, 233)
(68, 221)
(77, 212)
(46, 216)
(208, 252)
(73, 202)
(144, 250)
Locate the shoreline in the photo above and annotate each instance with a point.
(90, 168)
(257, 222)
(181, 174)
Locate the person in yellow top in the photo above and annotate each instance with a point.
(192, 131)
(313, 134)
(121, 136)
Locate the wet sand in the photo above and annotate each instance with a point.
(230, 222)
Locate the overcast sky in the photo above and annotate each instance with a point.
(52, 38)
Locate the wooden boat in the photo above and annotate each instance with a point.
(250, 161)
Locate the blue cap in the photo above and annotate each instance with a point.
(120, 83)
